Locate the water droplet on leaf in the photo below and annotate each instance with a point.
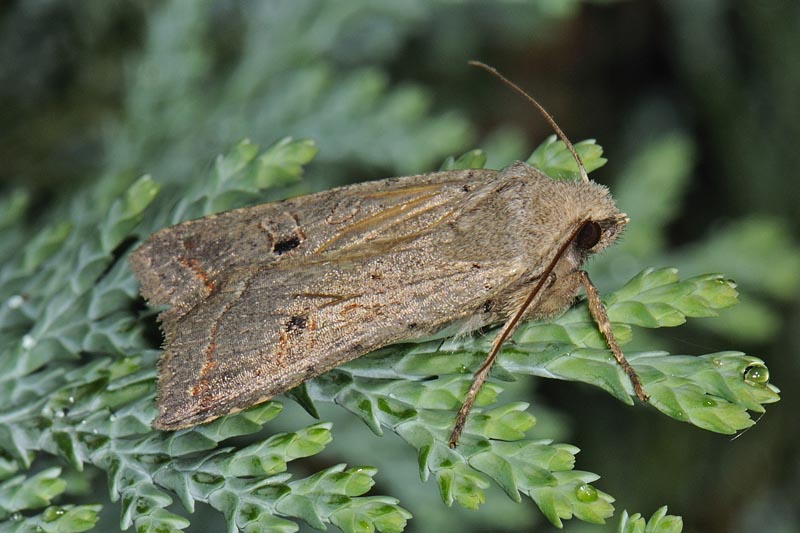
(756, 374)
(28, 342)
(586, 493)
(52, 513)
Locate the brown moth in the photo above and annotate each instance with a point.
(266, 297)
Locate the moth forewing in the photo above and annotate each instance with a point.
(178, 265)
(370, 265)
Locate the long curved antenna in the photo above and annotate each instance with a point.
(542, 110)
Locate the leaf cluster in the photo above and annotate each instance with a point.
(79, 374)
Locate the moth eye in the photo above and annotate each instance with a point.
(589, 235)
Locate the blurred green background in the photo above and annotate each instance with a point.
(695, 103)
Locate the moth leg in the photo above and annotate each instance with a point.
(598, 311)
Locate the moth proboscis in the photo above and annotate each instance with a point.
(264, 298)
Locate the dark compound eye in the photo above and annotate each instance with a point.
(589, 235)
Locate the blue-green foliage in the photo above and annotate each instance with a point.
(660, 522)
(78, 350)
(79, 377)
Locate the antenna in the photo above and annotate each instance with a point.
(541, 109)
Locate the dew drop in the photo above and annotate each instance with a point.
(15, 302)
(28, 342)
(71, 400)
(15, 517)
(717, 362)
(52, 513)
(708, 402)
(756, 374)
(586, 493)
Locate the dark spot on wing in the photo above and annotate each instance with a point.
(285, 245)
(296, 323)
(488, 307)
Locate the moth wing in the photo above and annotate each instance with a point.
(182, 265)
(268, 329)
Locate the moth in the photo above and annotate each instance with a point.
(263, 298)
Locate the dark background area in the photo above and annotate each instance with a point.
(95, 94)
